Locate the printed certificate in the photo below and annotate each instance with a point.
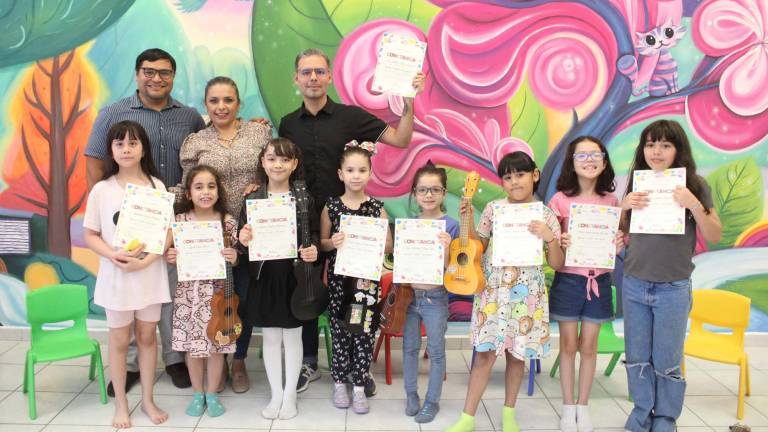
(144, 218)
(199, 245)
(399, 60)
(593, 236)
(273, 224)
(663, 215)
(362, 253)
(419, 256)
(513, 244)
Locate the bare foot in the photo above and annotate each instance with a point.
(155, 414)
(122, 419)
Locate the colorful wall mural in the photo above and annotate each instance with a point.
(502, 75)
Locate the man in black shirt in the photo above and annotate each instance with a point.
(321, 128)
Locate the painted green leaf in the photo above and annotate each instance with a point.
(348, 14)
(36, 29)
(281, 29)
(737, 192)
(528, 123)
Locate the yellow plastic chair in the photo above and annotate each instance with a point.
(727, 310)
(55, 304)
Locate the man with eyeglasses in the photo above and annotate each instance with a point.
(167, 122)
(321, 127)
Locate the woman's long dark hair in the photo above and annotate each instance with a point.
(669, 130)
(568, 182)
(132, 130)
(185, 204)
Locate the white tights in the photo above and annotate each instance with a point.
(283, 402)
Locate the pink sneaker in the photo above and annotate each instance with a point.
(359, 402)
(340, 396)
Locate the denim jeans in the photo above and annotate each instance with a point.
(655, 320)
(431, 307)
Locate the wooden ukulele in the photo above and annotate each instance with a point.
(310, 298)
(464, 275)
(225, 326)
(395, 308)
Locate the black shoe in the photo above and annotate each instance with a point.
(370, 386)
(309, 373)
(131, 378)
(179, 375)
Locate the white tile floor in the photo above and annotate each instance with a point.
(67, 401)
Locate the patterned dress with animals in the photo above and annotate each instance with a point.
(511, 314)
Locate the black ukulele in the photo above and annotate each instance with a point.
(310, 298)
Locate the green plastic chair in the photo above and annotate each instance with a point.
(324, 325)
(55, 304)
(607, 343)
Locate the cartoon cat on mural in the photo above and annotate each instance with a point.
(658, 73)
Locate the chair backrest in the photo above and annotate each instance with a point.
(57, 303)
(720, 308)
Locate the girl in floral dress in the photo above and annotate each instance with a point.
(203, 201)
(511, 315)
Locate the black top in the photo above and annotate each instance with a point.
(321, 139)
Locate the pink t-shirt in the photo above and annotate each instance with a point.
(561, 206)
(115, 288)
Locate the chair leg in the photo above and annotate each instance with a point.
(742, 387)
(538, 366)
(328, 342)
(30, 372)
(612, 364)
(26, 375)
(682, 366)
(100, 369)
(531, 373)
(92, 367)
(388, 359)
(553, 371)
(378, 346)
(746, 367)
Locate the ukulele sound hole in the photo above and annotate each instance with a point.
(462, 259)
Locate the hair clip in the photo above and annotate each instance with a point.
(368, 146)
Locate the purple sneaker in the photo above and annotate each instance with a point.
(359, 402)
(340, 396)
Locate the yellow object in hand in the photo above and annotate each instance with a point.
(132, 245)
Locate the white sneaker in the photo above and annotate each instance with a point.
(568, 419)
(583, 419)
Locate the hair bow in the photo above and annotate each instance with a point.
(368, 146)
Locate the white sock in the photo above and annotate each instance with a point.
(583, 419)
(294, 353)
(273, 365)
(568, 419)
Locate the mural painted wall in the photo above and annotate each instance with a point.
(502, 75)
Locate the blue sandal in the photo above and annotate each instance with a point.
(215, 408)
(197, 406)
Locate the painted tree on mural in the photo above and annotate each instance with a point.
(53, 113)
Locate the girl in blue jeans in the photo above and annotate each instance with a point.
(656, 287)
(430, 303)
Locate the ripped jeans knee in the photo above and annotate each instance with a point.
(673, 374)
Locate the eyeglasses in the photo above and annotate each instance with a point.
(307, 72)
(583, 157)
(434, 190)
(164, 73)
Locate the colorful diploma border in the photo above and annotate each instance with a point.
(135, 194)
(371, 271)
(602, 261)
(291, 250)
(215, 270)
(419, 275)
